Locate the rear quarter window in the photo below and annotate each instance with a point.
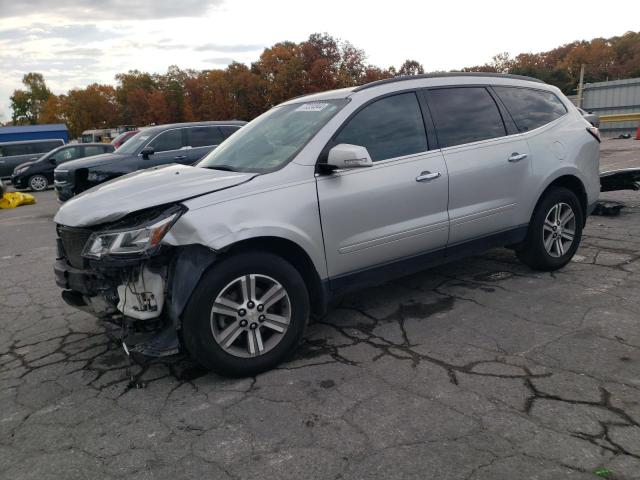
(531, 108)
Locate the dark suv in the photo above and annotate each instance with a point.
(38, 175)
(184, 143)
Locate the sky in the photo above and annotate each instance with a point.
(75, 43)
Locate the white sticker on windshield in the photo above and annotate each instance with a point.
(311, 107)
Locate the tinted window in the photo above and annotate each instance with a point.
(93, 150)
(229, 130)
(43, 147)
(67, 154)
(11, 150)
(169, 140)
(203, 136)
(465, 115)
(530, 108)
(388, 128)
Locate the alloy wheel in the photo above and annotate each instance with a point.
(38, 183)
(250, 316)
(559, 229)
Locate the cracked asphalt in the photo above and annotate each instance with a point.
(480, 369)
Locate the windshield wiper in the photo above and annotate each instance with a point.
(225, 168)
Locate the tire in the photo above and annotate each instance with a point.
(38, 183)
(206, 333)
(541, 250)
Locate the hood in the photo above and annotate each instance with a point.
(93, 161)
(22, 165)
(113, 200)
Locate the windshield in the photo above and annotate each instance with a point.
(134, 143)
(272, 139)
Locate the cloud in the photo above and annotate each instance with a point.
(219, 60)
(76, 33)
(108, 9)
(239, 48)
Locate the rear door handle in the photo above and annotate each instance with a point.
(516, 157)
(427, 176)
(180, 157)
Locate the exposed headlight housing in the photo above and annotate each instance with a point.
(132, 241)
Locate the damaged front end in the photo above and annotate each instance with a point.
(120, 273)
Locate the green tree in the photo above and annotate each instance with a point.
(27, 104)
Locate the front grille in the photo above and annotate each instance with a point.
(73, 242)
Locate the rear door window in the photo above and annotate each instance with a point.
(465, 115)
(390, 127)
(531, 108)
(203, 136)
(169, 140)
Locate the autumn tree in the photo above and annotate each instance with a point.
(93, 107)
(411, 67)
(27, 104)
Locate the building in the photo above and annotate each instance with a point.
(34, 132)
(613, 98)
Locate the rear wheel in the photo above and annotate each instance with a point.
(248, 313)
(38, 183)
(554, 232)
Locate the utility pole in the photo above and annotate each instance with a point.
(581, 85)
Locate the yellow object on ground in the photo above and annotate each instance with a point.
(15, 199)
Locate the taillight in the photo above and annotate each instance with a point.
(594, 132)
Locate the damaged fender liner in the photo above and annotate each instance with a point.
(188, 266)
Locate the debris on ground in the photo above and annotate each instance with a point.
(624, 179)
(16, 199)
(608, 208)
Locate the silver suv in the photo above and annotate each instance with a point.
(227, 260)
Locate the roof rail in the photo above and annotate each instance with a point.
(447, 74)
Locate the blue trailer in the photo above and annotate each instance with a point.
(34, 132)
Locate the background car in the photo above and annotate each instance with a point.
(590, 117)
(184, 143)
(122, 138)
(38, 175)
(15, 153)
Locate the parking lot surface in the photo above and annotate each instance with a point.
(480, 369)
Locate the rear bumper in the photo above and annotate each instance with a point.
(591, 208)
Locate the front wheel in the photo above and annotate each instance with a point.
(248, 313)
(554, 232)
(38, 183)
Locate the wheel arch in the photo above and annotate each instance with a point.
(570, 182)
(296, 256)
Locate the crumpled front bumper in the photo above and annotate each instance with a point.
(84, 290)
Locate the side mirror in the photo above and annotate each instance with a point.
(346, 155)
(53, 160)
(146, 151)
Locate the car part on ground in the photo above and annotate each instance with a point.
(320, 195)
(624, 179)
(608, 208)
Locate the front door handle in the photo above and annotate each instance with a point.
(427, 176)
(516, 157)
(180, 157)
